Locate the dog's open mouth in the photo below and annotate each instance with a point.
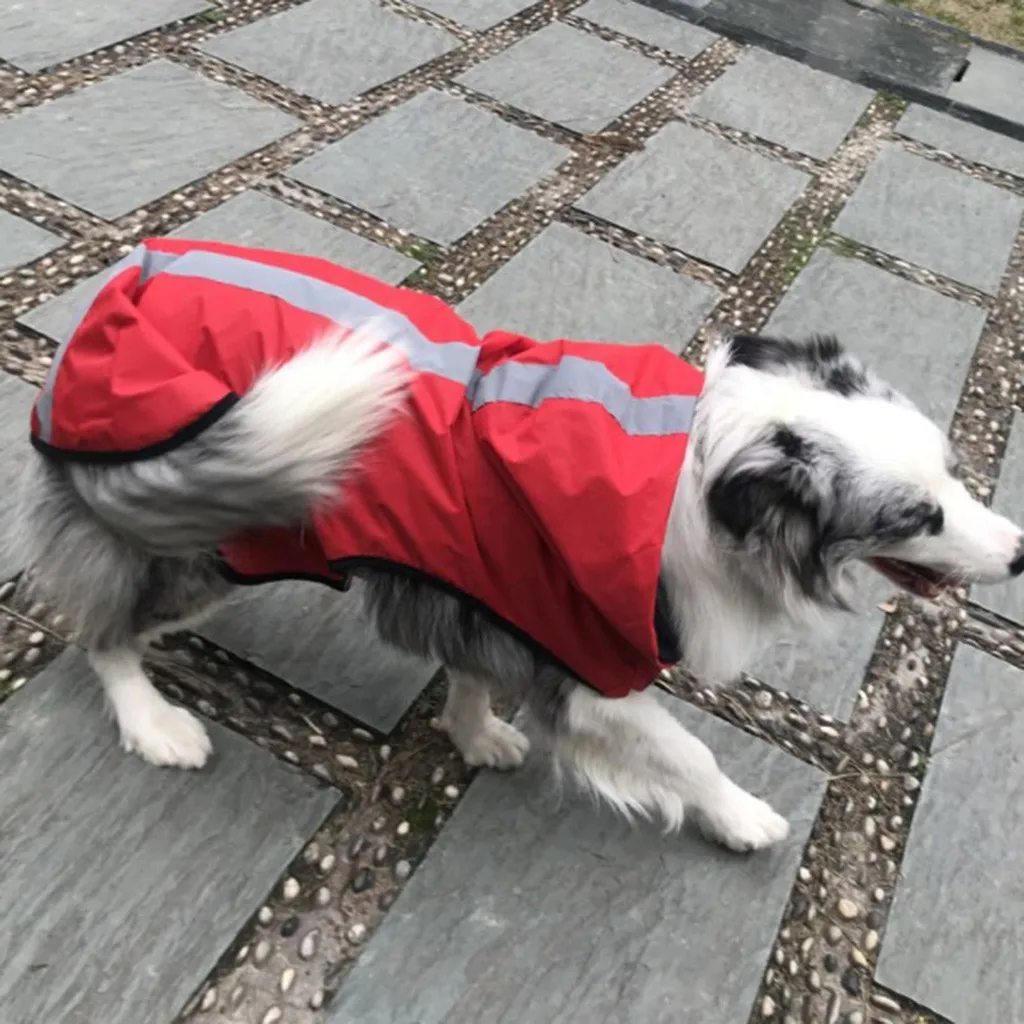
(919, 580)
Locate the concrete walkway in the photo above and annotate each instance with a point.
(601, 169)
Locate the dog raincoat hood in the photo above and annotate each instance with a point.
(534, 477)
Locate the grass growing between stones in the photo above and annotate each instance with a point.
(1001, 20)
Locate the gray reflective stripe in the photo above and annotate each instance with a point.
(585, 381)
(453, 360)
(138, 257)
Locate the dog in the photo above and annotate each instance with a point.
(801, 464)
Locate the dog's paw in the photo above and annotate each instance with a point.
(169, 737)
(496, 745)
(741, 821)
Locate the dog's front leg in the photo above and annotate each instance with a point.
(479, 735)
(632, 753)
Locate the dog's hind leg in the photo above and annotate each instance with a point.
(479, 735)
(633, 754)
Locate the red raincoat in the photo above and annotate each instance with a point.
(536, 478)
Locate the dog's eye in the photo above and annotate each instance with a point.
(936, 522)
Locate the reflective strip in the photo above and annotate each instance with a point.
(453, 360)
(527, 384)
(138, 257)
(585, 380)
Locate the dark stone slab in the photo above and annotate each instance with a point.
(332, 51)
(724, 200)
(835, 32)
(253, 219)
(317, 640)
(122, 884)
(569, 77)
(568, 284)
(526, 913)
(934, 216)
(1008, 598)
(22, 242)
(37, 33)
(818, 112)
(953, 937)
(396, 168)
(648, 25)
(98, 147)
(918, 340)
(961, 138)
(16, 398)
(993, 83)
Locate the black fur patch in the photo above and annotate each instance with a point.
(822, 358)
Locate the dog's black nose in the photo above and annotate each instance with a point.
(1017, 565)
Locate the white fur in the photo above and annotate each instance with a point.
(478, 734)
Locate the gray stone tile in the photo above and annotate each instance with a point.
(827, 672)
(953, 937)
(648, 25)
(698, 193)
(961, 138)
(97, 147)
(933, 216)
(994, 83)
(253, 219)
(568, 284)
(569, 77)
(918, 340)
(316, 639)
(16, 398)
(332, 51)
(127, 882)
(404, 167)
(526, 913)
(37, 33)
(21, 241)
(476, 14)
(1008, 598)
(818, 111)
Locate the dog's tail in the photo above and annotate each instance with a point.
(280, 452)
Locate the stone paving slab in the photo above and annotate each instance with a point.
(933, 216)
(1009, 500)
(828, 672)
(523, 912)
(953, 941)
(37, 33)
(568, 284)
(819, 111)
(648, 25)
(98, 148)
(332, 51)
(253, 219)
(23, 242)
(316, 639)
(16, 398)
(412, 167)
(961, 138)
(569, 77)
(918, 340)
(476, 14)
(993, 83)
(123, 883)
(698, 193)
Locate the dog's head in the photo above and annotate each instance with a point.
(809, 463)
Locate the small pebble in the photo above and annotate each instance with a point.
(316, 1000)
(290, 889)
(362, 734)
(436, 776)
(403, 828)
(451, 792)
(402, 870)
(851, 981)
(362, 880)
(767, 1007)
(287, 979)
(346, 761)
(830, 963)
(804, 874)
(322, 896)
(327, 863)
(262, 951)
(272, 1016)
(855, 1017)
(209, 1000)
(871, 941)
(887, 843)
(814, 981)
(858, 957)
(289, 927)
(883, 1002)
(36, 638)
(397, 794)
(848, 910)
(307, 947)
(356, 933)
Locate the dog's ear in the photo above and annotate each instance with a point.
(765, 353)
